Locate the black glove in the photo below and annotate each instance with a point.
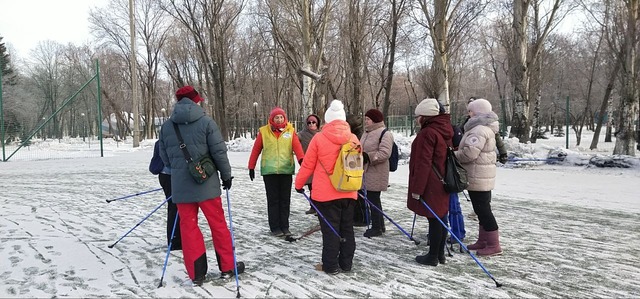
(301, 190)
(503, 158)
(252, 174)
(300, 161)
(226, 185)
(365, 156)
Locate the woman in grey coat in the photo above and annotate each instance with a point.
(376, 149)
(202, 137)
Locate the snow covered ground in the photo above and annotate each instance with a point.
(566, 231)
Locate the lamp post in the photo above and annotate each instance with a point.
(84, 128)
(255, 119)
(162, 111)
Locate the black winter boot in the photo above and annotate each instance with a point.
(427, 259)
(435, 242)
(443, 243)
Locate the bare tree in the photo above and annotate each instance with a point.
(447, 21)
(523, 57)
(211, 23)
(629, 93)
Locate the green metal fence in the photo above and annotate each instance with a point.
(72, 130)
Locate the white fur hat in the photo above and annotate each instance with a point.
(335, 111)
(428, 107)
(480, 106)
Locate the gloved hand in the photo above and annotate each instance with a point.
(365, 156)
(503, 158)
(300, 161)
(301, 190)
(252, 174)
(226, 185)
(415, 196)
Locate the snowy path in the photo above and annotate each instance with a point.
(56, 227)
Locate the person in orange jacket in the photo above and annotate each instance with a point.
(336, 206)
(277, 141)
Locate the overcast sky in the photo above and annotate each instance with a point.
(24, 23)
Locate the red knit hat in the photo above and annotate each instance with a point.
(188, 92)
(375, 115)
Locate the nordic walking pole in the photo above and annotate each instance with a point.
(389, 218)
(233, 244)
(166, 258)
(143, 219)
(465, 195)
(414, 223)
(460, 242)
(132, 195)
(342, 240)
(307, 233)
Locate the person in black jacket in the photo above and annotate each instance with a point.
(164, 177)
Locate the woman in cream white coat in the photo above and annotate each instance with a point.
(477, 154)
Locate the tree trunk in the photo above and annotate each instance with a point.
(518, 69)
(629, 89)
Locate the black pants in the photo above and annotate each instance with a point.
(437, 236)
(172, 213)
(481, 201)
(360, 216)
(278, 188)
(377, 219)
(339, 213)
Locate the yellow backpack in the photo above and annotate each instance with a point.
(349, 169)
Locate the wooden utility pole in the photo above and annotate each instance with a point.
(134, 78)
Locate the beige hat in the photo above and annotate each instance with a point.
(428, 107)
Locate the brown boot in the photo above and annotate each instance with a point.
(493, 244)
(482, 240)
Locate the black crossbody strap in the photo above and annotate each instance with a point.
(434, 166)
(183, 146)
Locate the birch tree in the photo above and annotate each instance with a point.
(630, 17)
(447, 21)
(524, 53)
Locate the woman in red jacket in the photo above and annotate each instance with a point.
(428, 150)
(336, 206)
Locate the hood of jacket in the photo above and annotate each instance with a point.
(186, 111)
(490, 120)
(337, 132)
(442, 124)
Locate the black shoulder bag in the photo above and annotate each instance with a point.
(455, 176)
(200, 170)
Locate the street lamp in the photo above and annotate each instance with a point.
(255, 119)
(84, 128)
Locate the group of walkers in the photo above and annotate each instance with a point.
(316, 148)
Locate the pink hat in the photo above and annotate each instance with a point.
(480, 106)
